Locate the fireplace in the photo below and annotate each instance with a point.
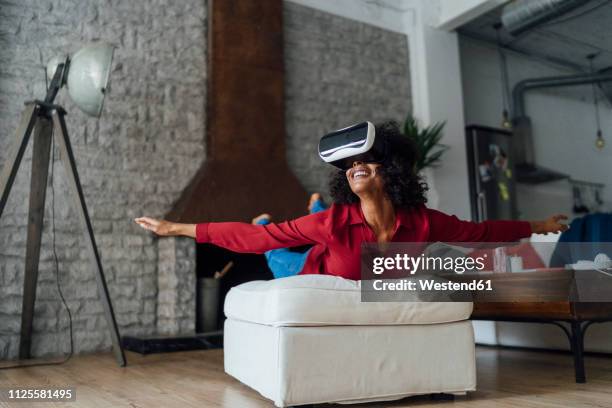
(245, 171)
(211, 290)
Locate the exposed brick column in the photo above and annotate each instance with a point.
(176, 281)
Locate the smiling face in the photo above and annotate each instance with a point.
(365, 178)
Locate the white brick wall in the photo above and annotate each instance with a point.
(135, 160)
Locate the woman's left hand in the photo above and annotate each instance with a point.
(551, 224)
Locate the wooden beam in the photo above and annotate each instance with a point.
(38, 189)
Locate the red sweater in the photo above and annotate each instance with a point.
(337, 234)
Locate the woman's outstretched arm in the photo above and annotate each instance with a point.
(243, 237)
(449, 228)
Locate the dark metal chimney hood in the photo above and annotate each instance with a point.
(246, 171)
(527, 171)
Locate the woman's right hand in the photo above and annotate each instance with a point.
(166, 228)
(160, 227)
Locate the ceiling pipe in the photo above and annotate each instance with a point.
(523, 146)
(522, 15)
(518, 92)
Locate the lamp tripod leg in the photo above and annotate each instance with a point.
(74, 185)
(22, 136)
(38, 187)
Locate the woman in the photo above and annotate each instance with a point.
(372, 202)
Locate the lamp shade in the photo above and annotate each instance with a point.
(88, 76)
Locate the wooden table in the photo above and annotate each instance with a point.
(554, 297)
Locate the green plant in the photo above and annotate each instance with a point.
(427, 141)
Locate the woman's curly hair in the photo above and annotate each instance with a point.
(403, 185)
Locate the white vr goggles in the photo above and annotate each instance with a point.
(354, 143)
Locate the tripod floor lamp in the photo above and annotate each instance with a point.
(85, 74)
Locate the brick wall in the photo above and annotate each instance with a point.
(150, 141)
(135, 160)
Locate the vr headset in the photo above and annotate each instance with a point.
(354, 143)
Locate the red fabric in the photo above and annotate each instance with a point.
(337, 234)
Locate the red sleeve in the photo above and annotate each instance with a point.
(449, 228)
(243, 237)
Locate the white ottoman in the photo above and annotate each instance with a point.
(309, 339)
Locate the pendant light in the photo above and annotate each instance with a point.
(503, 69)
(599, 140)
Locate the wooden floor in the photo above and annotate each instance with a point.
(506, 378)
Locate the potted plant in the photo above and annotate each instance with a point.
(427, 141)
(429, 151)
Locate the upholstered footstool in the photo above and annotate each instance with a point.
(309, 339)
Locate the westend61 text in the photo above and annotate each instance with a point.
(433, 285)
